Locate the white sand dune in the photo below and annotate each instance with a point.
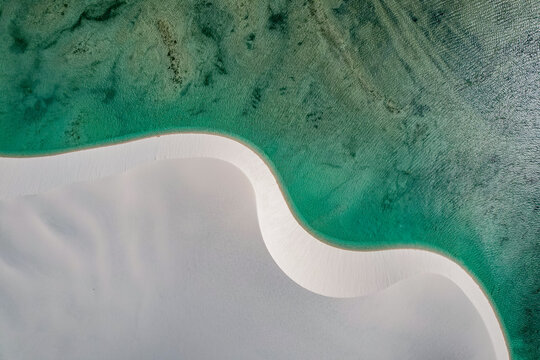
(160, 262)
(316, 266)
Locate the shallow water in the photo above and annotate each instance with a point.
(390, 123)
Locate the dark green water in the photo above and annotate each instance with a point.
(391, 123)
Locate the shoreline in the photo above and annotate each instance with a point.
(304, 255)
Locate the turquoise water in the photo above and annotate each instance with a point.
(390, 123)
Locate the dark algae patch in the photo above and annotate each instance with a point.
(19, 43)
(408, 123)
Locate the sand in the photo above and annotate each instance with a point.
(309, 262)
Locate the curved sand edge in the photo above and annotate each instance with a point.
(311, 263)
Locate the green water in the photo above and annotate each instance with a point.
(390, 123)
